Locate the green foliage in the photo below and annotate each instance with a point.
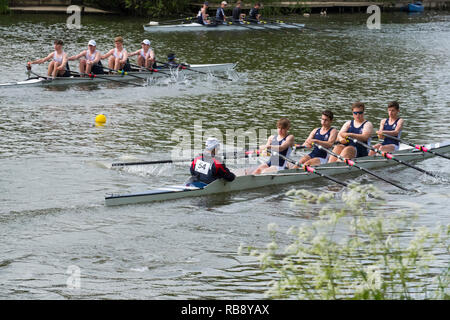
(354, 251)
(152, 8)
(4, 7)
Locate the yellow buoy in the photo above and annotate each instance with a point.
(100, 118)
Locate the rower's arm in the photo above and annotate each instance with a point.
(78, 56)
(366, 133)
(310, 139)
(342, 139)
(152, 54)
(63, 63)
(39, 61)
(106, 55)
(394, 132)
(289, 142)
(380, 136)
(98, 57)
(329, 143)
(134, 53)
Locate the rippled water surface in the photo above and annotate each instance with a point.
(54, 162)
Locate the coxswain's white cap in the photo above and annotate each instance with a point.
(146, 41)
(92, 43)
(224, 2)
(212, 143)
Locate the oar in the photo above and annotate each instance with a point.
(309, 169)
(291, 24)
(37, 75)
(390, 156)
(122, 72)
(181, 66)
(417, 146)
(149, 69)
(92, 76)
(235, 154)
(352, 163)
(184, 19)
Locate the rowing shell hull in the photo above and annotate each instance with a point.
(192, 27)
(163, 72)
(257, 181)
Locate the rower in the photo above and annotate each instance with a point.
(254, 14)
(118, 57)
(324, 136)
(238, 16)
(359, 129)
(220, 13)
(146, 55)
(59, 67)
(206, 168)
(171, 61)
(392, 126)
(90, 59)
(281, 143)
(202, 16)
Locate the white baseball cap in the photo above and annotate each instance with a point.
(212, 143)
(146, 41)
(92, 43)
(224, 2)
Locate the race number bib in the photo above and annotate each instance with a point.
(202, 166)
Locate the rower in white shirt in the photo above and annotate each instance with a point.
(146, 55)
(118, 57)
(89, 59)
(58, 67)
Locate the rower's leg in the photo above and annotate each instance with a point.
(51, 66)
(83, 67)
(270, 169)
(141, 61)
(55, 69)
(338, 149)
(111, 62)
(260, 168)
(349, 152)
(313, 162)
(388, 148)
(89, 68)
(304, 159)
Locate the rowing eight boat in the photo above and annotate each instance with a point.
(155, 27)
(130, 76)
(246, 182)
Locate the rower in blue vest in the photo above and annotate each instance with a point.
(324, 136)
(392, 126)
(220, 13)
(359, 129)
(202, 16)
(282, 143)
(207, 168)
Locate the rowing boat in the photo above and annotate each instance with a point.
(245, 182)
(130, 76)
(194, 26)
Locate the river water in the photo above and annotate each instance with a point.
(54, 161)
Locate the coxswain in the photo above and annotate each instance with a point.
(59, 66)
(359, 129)
(254, 15)
(89, 59)
(146, 55)
(202, 16)
(281, 143)
(220, 13)
(207, 168)
(392, 126)
(324, 136)
(118, 57)
(238, 16)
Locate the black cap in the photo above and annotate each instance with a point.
(171, 56)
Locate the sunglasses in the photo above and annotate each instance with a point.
(358, 112)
